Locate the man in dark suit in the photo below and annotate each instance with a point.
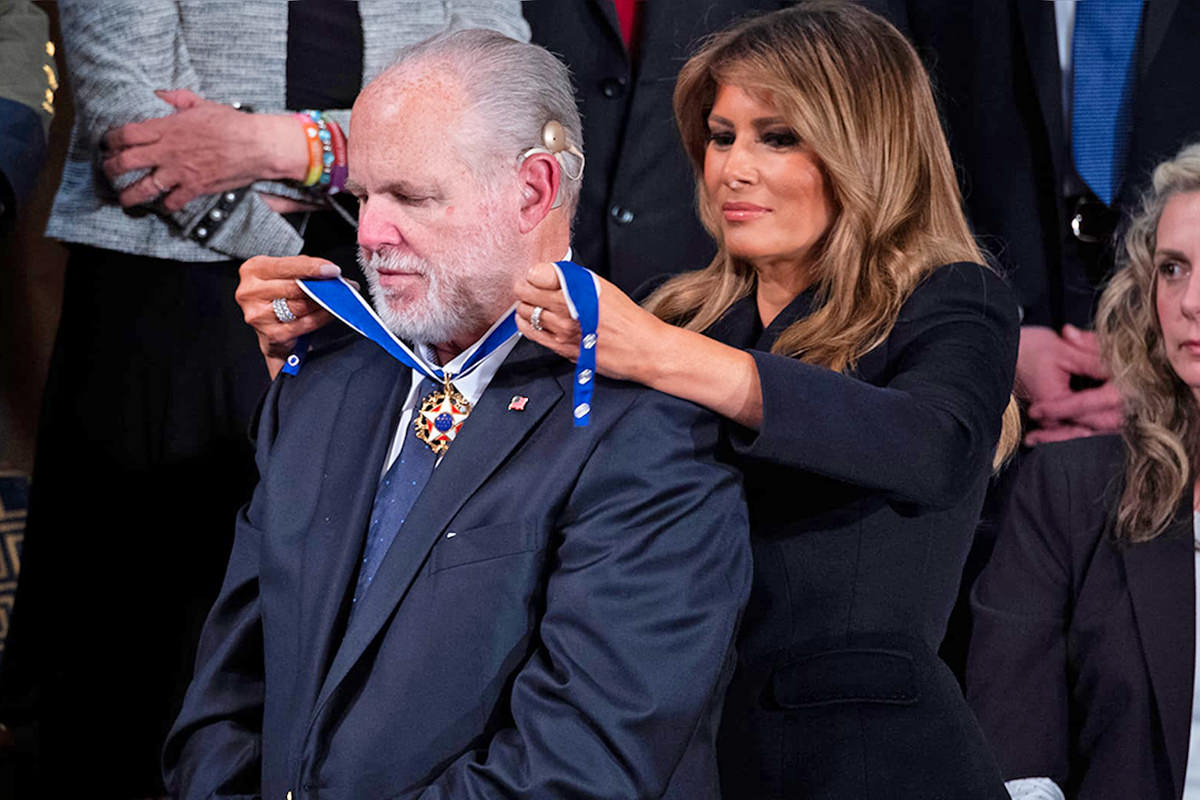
(998, 69)
(547, 613)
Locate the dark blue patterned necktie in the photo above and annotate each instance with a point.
(394, 498)
(1105, 43)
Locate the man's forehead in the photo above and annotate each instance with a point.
(423, 90)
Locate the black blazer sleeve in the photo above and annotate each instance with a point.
(920, 430)
(1017, 662)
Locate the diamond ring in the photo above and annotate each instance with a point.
(535, 319)
(282, 312)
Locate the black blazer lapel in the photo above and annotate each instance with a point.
(490, 435)
(1161, 577)
(362, 434)
(1041, 45)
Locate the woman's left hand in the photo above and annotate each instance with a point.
(203, 148)
(626, 338)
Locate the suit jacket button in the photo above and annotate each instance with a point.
(622, 216)
(613, 88)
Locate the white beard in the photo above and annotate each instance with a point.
(464, 292)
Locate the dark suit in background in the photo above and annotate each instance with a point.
(555, 619)
(1080, 666)
(637, 211)
(997, 76)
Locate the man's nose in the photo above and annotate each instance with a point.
(375, 226)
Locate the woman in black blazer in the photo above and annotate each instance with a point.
(1081, 663)
(864, 359)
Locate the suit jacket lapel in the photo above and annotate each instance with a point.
(1041, 44)
(1161, 577)
(608, 10)
(491, 433)
(1156, 19)
(362, 433)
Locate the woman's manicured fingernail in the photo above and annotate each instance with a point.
(328, 270)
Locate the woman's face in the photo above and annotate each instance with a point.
(767, 189)
(1177, 286)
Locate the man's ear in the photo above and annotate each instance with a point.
(541, 178)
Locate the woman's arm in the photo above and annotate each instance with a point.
(920, 436)
(1017, 664)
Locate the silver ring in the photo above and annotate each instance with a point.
(535, 319)
(282, 312)
(161, 189)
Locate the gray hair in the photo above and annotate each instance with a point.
(513, 89)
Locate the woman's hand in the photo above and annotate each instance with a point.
(633, 344)
(265, 279)
(627, 337)
(203, 148)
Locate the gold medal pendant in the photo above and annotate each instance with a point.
(440, 416)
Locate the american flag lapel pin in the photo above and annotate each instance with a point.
(517, 403)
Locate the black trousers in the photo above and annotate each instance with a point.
(143, 459)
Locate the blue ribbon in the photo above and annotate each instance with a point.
(339, 298)
(583, 301)
(580, 288)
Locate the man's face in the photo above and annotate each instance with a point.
(439, 247)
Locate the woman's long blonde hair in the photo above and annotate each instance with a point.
(853, 89)
(1162, 423)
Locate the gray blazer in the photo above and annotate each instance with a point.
(119, 51)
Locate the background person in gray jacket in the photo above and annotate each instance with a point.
(142, 454)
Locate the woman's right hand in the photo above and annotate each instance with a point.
(626, 336)
(265, 279)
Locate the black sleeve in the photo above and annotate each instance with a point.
(921, 435)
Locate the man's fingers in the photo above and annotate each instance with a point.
(1084, 361)
(1102, 399)
(1085, 340)
(1102, 421)
(1060, 433)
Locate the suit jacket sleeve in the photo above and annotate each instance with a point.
(921, 435)
(214, 747)
(1017, 662)
(651, 573)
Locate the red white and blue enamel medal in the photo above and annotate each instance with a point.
(440, 416)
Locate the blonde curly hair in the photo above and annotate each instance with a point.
(1162, 422)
